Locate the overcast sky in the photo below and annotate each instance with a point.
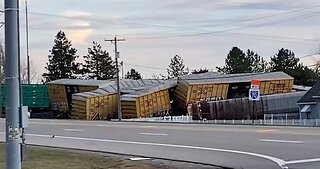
(201, 31)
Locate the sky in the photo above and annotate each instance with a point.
(202, 32)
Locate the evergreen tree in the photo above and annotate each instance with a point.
(62, 60)
(200, 71)
(98, 64)
(303, 75)
(236, 62)
(257, 63)
(133, 74)
(176, 67)
(285, 59)
(239, 62)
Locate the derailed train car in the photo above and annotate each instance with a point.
(102, 103)
(213, 86)
(242, 108)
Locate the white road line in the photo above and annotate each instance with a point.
(154, 134)
(303, 161)
(278, 161)
(139, 159)
(281, 141)
(74, 130)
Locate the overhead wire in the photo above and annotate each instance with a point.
(221, 31)
(141, 66)
(260, 37)
(169, 26)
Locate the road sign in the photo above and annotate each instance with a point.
(255, 84)
(254, 94)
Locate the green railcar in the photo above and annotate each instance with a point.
(35, 96)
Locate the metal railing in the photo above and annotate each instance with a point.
(267, 122)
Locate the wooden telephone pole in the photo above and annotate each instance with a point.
(115, 41)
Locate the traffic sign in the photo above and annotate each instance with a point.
(255, 84)
(254, 94)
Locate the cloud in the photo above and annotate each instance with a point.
(76, 13)
(85, 21)
(79, 37)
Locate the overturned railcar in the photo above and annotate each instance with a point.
(213, 86)
(243, 108)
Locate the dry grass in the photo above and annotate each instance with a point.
(44, 158)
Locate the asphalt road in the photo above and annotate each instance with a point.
(247, 147)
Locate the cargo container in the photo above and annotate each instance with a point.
(102, 103)
(213, 86)
(35, 96)
(60, 91)
(94, 105)
(146, 103)
(242, 108)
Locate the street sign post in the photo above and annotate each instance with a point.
(254, 94)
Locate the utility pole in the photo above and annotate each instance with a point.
(115, 41)
(13, 130)
(121, 63)
(27, 38)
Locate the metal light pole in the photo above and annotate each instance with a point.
(13, 130)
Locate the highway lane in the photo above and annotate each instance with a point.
(192, 142)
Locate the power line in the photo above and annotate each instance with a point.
(310, 55)
(261, 37)
(141, 66)
(219, 31)
(170, 26)
(266, 16)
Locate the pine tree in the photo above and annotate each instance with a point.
(200, 71)
(176, 67)
(285, 59)
(98, 64)
(257, 63)
(239, 62)
(236, 62)
(133, 74)
(62, 60)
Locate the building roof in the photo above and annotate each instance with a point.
(81, 82)
(213, 77)
(314, 91)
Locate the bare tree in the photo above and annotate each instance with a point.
(24, 73)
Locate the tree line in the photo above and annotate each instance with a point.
(98, 64)
(238, 61)
(284, 60)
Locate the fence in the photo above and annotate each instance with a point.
(271, 122)
(267, 122)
